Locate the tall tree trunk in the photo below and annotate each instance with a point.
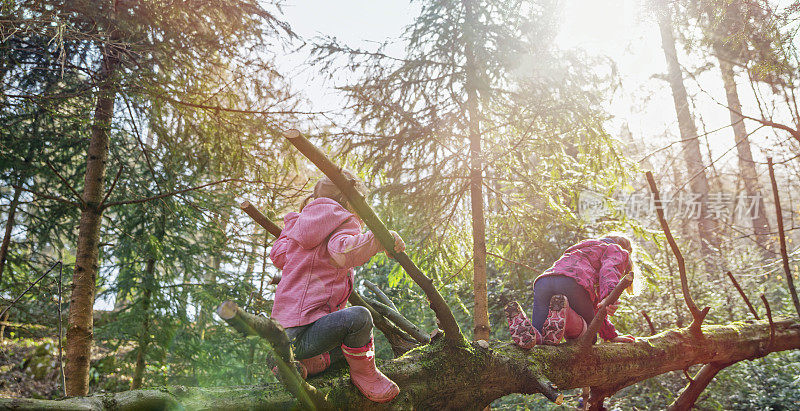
(12, 210)
(481, 315)
(79, 331)
(688, 130)
(747, 167)
(144, 334)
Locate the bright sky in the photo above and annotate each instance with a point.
(624, 30)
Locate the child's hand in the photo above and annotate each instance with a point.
(624, 339)
(399, 244)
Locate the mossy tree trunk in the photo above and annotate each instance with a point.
(468, 376)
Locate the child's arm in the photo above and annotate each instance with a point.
(349, 248)
(278, 252)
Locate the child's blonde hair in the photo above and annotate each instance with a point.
(326, 188)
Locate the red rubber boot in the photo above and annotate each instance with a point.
(366, 377)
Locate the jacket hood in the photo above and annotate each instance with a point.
(317, 221)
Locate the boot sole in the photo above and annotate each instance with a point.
(555, 324)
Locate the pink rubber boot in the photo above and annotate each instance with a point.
(575, 325)
(310, 366)
(366, 377)
(522, 331)
(316, 364)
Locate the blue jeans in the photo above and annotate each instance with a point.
(351, 326)
(548, 286)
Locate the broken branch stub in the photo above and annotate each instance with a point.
(359, 204)
(270, 330)
(260, 218)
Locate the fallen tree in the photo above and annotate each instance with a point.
(467, 376)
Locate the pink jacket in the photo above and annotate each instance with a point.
(317, 251)
(597, 266)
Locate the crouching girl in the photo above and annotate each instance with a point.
(566, 295)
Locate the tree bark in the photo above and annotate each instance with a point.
(690, 140)
(80, 327)
(747, 167)
(481, 310)
(12, 210)
(443, 376)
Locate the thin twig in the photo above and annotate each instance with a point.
(29, 288)
(48, 196)
(771, 324)
(66, 183)
(446, 280)
(649, 322)
(113, 184)
(511, 261)
(171, 193)
(782, 237)
(744, 296)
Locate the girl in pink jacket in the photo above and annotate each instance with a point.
(317, 251)
(566, 295)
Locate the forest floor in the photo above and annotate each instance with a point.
(17, 375)
(29, 365)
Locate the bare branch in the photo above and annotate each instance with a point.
(782, 237)
(588, 336)
(649, 322)
(260, 218)
(398, 339)
(697, 314)
(381, 296)
(688, 396)
(66, 183)
(171, 193)
(744, 296)
(399, 321)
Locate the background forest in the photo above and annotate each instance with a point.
(131, 130)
